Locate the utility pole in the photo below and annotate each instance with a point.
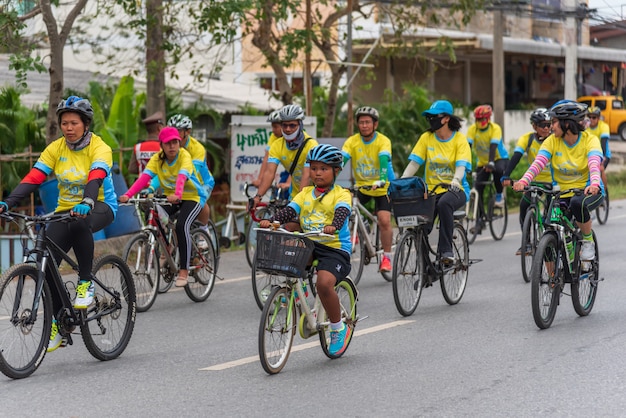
(349, 69)
(308, 82)
(497, 80)
(571, 53)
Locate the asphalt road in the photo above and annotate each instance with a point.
(482, 357)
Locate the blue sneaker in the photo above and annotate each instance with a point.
(499, 200)
(84, 294)
(339, 340)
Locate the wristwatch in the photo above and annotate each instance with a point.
(88, 201)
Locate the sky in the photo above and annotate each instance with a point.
(610, 9)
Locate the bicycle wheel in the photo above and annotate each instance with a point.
(498, 219)
(22, 344)
(602, 211)
(265, 212)
(215, 241)
(276, 330)
(346, 290)
(143, 262)
(585, 288)
(471, 219)
(545, 284)
(454, 279)
(358, 247)
(530, 238)
(109, 322)
(262, 284)
(408, 273)
(202, 268)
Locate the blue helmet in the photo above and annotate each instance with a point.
(569, 109)
(326, 154)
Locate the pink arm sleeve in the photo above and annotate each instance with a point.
(534, 169)
(180, 185)
(139, 184)
(594, 170)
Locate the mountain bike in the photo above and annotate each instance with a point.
(365, 237)
(557, 262)
(152, 256)
(533, 225)
(478, 215)
(287, 308)
(26, 308)
(417, 265)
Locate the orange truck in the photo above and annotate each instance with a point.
(613, 112)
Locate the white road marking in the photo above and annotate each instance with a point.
(300, 347)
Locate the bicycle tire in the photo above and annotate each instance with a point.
(263, 283)
(530, 238)
(202, 267)
(471, 219)
(108, 323)
(143, 262)
(585, 287)
(454, 280)
(23, 346)
(498, 219)
(276, 330)
(545, 283)
(357, 262)
(602, 211)
(347, 293)
(215, 241)
(408, 273)
(264, 212)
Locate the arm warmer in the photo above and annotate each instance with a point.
(384, 164)
(492, 151)
(285, 215)
(594, 170)
(603, 143)
(534, 169)
(341, 214)
(180, 185)
(94, 182)
(517, 156)
(28, 185)
(139, 184)
(410, 169)
(459, 172)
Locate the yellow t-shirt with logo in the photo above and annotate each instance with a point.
(315, 213)
(531, 153)
(168, 174)
(481, 140)
(280, 154)
(602, 130)
(365, 157)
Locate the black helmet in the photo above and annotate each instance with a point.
(569, 109)
(326, 154)
(77, 105)
(539, 115)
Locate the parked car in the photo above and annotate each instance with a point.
(613, 112)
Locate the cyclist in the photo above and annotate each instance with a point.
(575, 156)
(486, 139)
(447, 156)
(296, 143)
(146, 148)
(198, 155)
(601, 129)
(276, 135)
(530, 143)
(181, 184)
(325, 207)
(371, 155)
(82, 162)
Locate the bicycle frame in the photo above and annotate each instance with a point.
(360, 212)
(561, 226)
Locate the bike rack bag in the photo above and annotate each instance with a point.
(411, 203)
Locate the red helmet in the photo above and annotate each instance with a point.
(483, 111)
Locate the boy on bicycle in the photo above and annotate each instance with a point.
(325, 207)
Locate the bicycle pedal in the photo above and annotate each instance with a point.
(359, 318)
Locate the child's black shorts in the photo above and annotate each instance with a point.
(333, 260)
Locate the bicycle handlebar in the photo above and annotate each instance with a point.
(300, 234)
(39, 219)
(156, 200)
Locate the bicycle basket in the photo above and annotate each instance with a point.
(282, 253)
(411, 202)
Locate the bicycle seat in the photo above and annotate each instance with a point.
(459, 214)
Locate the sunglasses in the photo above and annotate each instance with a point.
(434, 117)
(544, 125)
(290, 125)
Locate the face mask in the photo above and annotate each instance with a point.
(291, 136)
(435, 123)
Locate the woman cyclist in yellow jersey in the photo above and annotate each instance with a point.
(602, 130)
(82, 162)
(575, 157)
(446, 156)
(326, 207)
(181, 184)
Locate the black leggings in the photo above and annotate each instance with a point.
(188, 210)
(581, 205)
(77, 235)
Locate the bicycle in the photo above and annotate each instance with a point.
(533, 225)
(416, 264)
(26, 307)
(476, 216)
(287, 307)
(152, 256)
(557, 262)
(365, 237)
(602, 211)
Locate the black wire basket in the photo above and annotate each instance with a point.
(282, 253)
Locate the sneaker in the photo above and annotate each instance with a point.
(499, 203)
(385, 265)
(84, 294)
(202, 244)
(447, 257)
(339, 340)
(477, 229)
(56, 340)
(588, 251)
(529, 250)
(519, 251)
